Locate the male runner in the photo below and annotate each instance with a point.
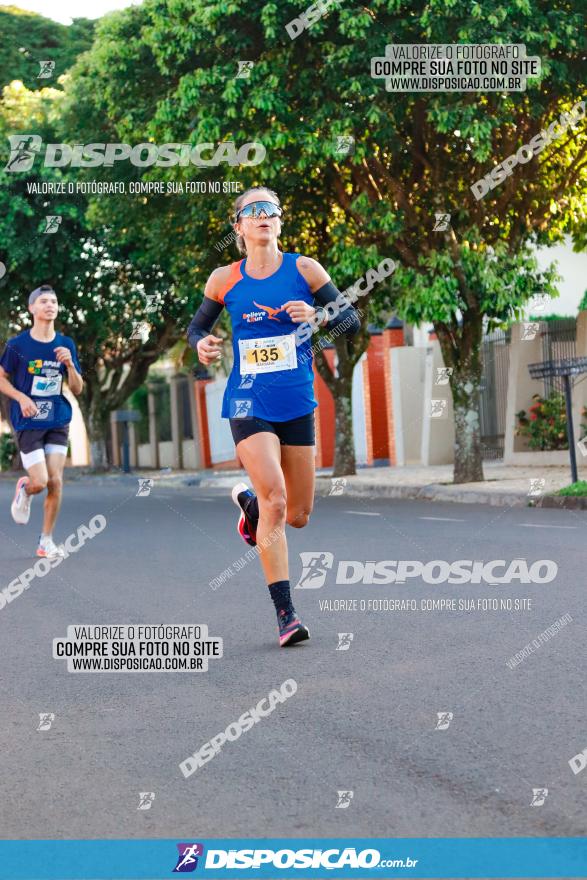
(36, 361)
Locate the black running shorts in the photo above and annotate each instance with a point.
(35, 444)
(28, 441)
(294, 432)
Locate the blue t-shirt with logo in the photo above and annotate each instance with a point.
(33, 369)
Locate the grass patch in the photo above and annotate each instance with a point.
(578, 488)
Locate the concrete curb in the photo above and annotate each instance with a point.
(564, 502)
(431, 492)
(363, 489)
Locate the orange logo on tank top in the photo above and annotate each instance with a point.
(270, 312)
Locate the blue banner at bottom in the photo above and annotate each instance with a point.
(273, 858)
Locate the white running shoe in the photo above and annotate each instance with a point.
(49, 549)
(21, 505)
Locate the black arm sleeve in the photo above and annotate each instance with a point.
(203, 321)
(346, 315)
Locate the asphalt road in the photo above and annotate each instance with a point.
(362, 720)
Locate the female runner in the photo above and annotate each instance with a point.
(269, 396)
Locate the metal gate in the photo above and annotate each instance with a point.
(495, 357)
(558, 341)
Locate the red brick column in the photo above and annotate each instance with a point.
(324, 415)
(202, 416)
(393, 336)
(377, 411)
(367, 403)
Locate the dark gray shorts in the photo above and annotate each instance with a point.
(294, 432)
(40, 438)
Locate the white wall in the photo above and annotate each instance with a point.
(573, 268)
(438, 434)
(78, 437)
(408, 366)
(358, 403)
(221, 442)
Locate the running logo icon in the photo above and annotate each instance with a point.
(345, 145)
(188, 857)
(150, 305)
(140, 330)
(344, 641)
(145, 486)
(441, 223)
(46, 69)
(44, 409)
(23, 150)
(539, 795)
(315, 564)
(530, 331)
(443, 375)
(537, 485)
(146, 798)
(244, 69)
(444, 719)
(52, 223)
(344, 799)
(338, 484)
(438, 408)
(241, 409)
(46, 719)
(537, 303)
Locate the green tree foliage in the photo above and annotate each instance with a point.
(100, 281)
(28, 38)
(416, 154)
(167, 72)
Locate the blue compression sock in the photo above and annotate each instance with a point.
(280, 594)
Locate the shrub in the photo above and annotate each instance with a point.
(545, 424)
(7, 451)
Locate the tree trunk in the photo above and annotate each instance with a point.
(106, 392)
(98, 424)
(468, 463)
(461, 350)
(344, 447)
(340, 384)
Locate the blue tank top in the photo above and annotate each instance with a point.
(264, 389)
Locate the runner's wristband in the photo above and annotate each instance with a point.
(347, 314)
(203, 321)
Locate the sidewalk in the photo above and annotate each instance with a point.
(504, 485)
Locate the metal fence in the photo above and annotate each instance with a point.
(558, 341)
(186, 391)
(495, 356)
